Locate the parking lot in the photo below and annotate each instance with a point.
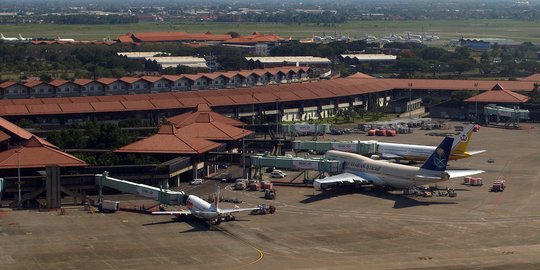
(337, 229)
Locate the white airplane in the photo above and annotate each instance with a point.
(363, 170)
(7, 38)
(57, 38)
(201, 209)
(21, 38)
(415, 152)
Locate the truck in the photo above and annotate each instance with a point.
(109, 206)
(269, 194)
(263, 209)
(498, 186)
(240, 184)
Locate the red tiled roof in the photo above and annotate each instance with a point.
(534, 77)
(255, 38)
(7, 84)
(205, 127)
(262, 94)
(75, 107)
(177, 36)
(58, 82)
(170, 140)
(43, 108)
(14, 130)
(4, 136)
(129, 79)
(82, 82)
(499, 95)
(35, 154)
(202, 109)
(359, 75)
(151, 79)
(107, 81)
(125, 39)
(33, 83)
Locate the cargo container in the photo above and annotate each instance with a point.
(475, 182)
(467, 180)
(391, 132)
(267, 185)
(254, 186)
(109, 206)
(371, 132)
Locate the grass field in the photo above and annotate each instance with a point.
(446, 29)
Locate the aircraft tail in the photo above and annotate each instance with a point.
(2, 36)
(439, 159)
(21, 37)
(461, 141)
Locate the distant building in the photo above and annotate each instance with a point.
(365, 58)
(278, 61)
(173, 61)
(486, 43)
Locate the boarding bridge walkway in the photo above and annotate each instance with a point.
(321, 147)
(163, 196)
(296, 163)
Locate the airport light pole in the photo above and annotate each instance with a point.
(476, 104)
(243, 153)
(277, 127)
(410, 99)
(252, 109)
(19, 177)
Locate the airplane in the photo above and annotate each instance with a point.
(363, 170)
(415, 152)
(57, 38)
(7, 38)
(201, 209)
(21, 38)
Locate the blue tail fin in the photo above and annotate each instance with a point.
(438, 160)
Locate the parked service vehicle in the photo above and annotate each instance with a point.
(277, 174)
(109, 206)
(498, 186)
(196, 182)
(269, 194)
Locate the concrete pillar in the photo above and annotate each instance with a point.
(53, 187)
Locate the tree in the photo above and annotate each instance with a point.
(461, 65)
(535, 94)
(233, 34)
(410, 65)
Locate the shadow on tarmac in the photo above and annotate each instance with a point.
(400, 201)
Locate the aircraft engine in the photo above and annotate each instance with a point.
(445, 176)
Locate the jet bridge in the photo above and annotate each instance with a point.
(296, 163)
(321, 147)
(163, 196)
(510, 117)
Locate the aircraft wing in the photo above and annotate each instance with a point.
(476, 152)
(236, 210)
(462, 173)
(338, 179)
(183, 212)
(469, 153)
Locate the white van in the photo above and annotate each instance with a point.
(277, 174)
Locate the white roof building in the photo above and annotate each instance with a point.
(173, 61)
(370, 57)
(140, 55)
(290, 59)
